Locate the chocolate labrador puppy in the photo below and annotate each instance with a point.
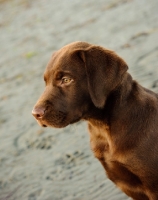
(84, 81)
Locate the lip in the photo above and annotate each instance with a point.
(44, 125)
(60, 124)
(41, 124)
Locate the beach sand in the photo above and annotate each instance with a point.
(57, 164)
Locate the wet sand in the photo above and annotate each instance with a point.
(57, 164)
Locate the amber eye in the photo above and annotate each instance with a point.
(66, 80)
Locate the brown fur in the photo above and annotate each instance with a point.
(122, 115)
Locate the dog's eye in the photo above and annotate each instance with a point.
(66, 80)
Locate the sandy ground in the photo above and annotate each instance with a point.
(57, 164)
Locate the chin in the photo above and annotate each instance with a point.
(75, 120)
(52, 124)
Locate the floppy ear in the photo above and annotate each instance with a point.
(104, 71)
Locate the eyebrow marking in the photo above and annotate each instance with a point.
(59, 75)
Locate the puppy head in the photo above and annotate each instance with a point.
(77, 76)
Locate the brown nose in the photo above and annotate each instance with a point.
(38, 112)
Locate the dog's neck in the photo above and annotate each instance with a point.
(120, 94)
(113, 116)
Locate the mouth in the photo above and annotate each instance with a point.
(44, 125)
(54, 124)
(41, 124)
(58, 122)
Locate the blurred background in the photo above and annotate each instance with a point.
(57, 164)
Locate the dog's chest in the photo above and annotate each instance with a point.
(100, 141)
(114, 163)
